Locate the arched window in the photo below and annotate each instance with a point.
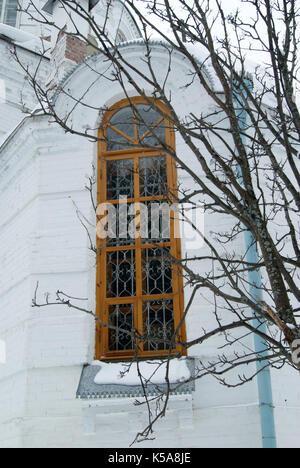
(8, 12)
(139, 285)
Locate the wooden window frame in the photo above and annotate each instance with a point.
(177, 296)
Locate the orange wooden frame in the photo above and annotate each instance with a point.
(102, 301)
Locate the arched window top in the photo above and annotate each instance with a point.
(134, 124)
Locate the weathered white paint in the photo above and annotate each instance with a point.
(15, 90)
(2, 91)
(2, 352)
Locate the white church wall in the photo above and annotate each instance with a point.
(27, 24)
(286, 398)
(18, 189)
(285, 382)
(118, 21)
(32, 229)
(61, 339)
(39, 184)
(15, 91)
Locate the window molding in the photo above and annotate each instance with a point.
(173, 302)
(4, 5)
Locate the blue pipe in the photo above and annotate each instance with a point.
(265, 395)
(264, 377)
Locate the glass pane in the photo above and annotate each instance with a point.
(158, 320)
(155, 138)
(10, 16)
(121, 274)
(122, 317)
(115, 141)
(156, 271)
(120, 179)
(146, 120)
(153, 176)
(123, 121)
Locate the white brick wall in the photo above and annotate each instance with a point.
(27, 24)
(14, 88)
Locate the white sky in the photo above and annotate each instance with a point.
(247, 11)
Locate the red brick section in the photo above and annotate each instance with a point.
(76, 49)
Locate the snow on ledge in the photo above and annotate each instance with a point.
(22, 38)
(16, 34)
(153, 372)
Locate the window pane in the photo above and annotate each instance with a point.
(146, 119)
(120, 180)
(158, 320)
(123, 121)
(153, 176)
(10, 16)
(156, 271)
(115, 141)
(121, 280)
(122, 317)
(155, 138)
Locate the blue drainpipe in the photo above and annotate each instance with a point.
(264, 377)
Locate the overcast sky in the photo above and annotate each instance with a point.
(247, 11)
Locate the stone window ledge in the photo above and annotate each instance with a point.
(88, 390)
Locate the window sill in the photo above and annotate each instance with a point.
(89, 390)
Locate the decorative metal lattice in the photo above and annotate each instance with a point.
(158, 317)
(153, 176)
(159, 218)
(121, 317)
(156, 271)
(120, 179)
(120, 220)
(121, 277)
